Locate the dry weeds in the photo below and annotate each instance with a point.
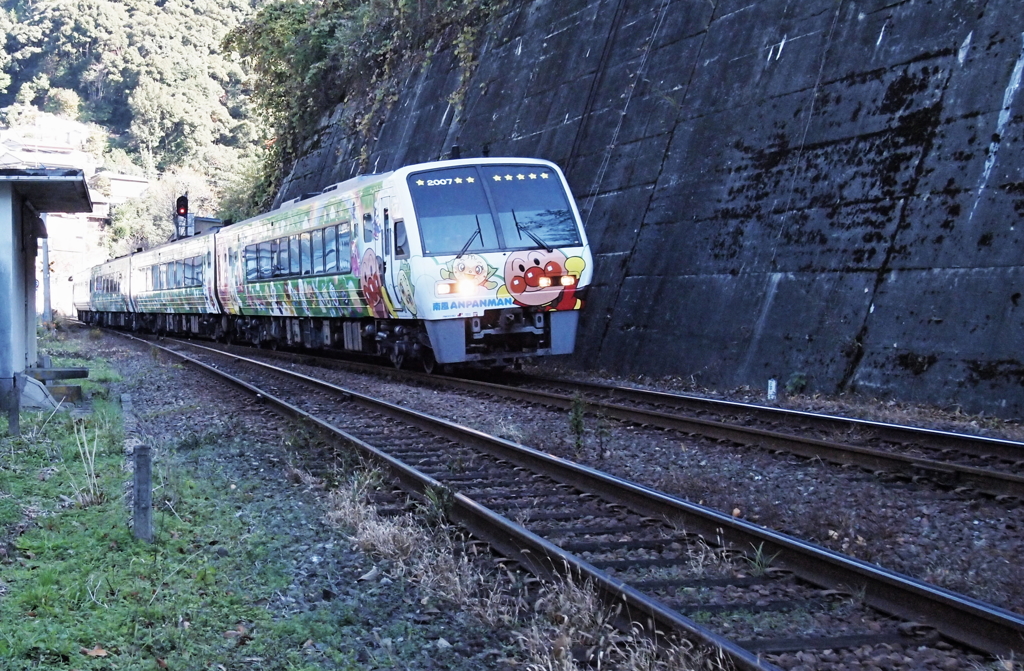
(564, 626)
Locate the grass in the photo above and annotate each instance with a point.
(83, 592)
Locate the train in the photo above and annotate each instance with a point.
(475, 262)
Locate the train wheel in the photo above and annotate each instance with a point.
(428, 361)
(397, 359)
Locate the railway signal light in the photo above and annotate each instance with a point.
(181, 206)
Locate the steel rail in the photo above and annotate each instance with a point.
(532, 551)
(969, 621)
(995, 483)
(1009, 450)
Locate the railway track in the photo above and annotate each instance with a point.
(639, 547)
(988, 465)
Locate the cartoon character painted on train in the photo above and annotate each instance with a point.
(470, 269)
(406, 293)
(374, 291)
(534, 278)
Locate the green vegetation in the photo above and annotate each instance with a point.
(151, 80)
(306, 57)
(82, 588)
(217, 98)
(577, 422)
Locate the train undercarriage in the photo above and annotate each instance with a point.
(498, 338)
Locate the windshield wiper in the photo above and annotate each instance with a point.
(472, 238)
(523, 229)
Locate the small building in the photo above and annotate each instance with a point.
(26, 194)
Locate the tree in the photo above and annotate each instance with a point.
(63, 102)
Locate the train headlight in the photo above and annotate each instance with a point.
(567, 280)
(466, 287)
(443, 288)
(544, 281)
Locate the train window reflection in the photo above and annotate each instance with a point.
(293, 255)
(252, 269)
(305, 251)
(401, 240)
(344, 255)
(532, 207)
(331, 249)
(281, 257)
(367, 227)
(318, 251)
(266, 254)
(452, 210)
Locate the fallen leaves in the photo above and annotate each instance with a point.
(95, 652)
(239, 633)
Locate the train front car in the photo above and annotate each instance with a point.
(490, 254)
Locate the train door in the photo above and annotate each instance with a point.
(389, 273)
(373, 263)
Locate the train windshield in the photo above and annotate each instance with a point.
(492, 208)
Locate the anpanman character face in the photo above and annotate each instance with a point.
(532, 277)
(370, 276)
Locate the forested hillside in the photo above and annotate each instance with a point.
(219, 96)
(152, 75)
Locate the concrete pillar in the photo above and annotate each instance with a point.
(10, 348)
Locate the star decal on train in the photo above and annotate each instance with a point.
(470, 180)
(458, 180)
(419, 182)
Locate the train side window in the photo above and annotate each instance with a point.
(344, 255)
(318, 251)
(401, 240)
(293, 256)
(252, 267)
(305, 251)
(190, 273)
(281, 261)
(163, 276)
(367, 227)
(331, 249)
(179, 274)
(387, 233)
(266, 254)
(198, 261)
(154, 281)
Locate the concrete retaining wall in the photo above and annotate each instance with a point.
(832, 189)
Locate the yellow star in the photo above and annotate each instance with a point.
(544, 175)
(470, 180)
(419, 182)
(497, 178)
(508, 178)
(520, 176)
(533, 175)
(458, 180)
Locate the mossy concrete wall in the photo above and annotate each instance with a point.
(774, 187)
